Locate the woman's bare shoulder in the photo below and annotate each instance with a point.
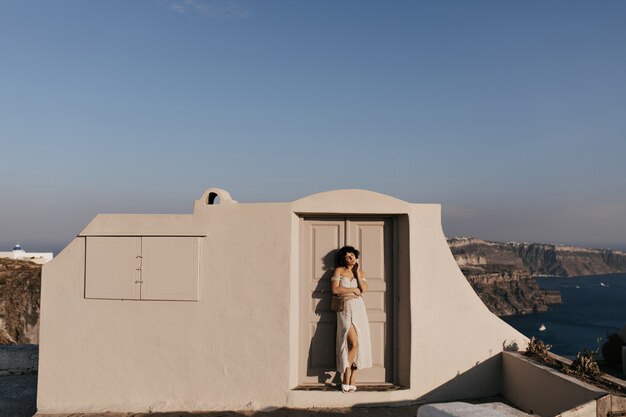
(338, 271)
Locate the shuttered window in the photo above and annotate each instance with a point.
(142, 268)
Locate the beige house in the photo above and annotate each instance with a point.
(229, 308)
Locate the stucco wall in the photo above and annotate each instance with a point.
(455, 336)
(211, 354)
(237, 346)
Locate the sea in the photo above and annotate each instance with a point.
(593, 307)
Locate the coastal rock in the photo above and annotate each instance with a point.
(502, 273)
(536, 258)
(20, 285)
(511, 292)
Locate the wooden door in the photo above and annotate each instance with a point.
(320, 238)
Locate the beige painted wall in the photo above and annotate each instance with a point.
(237, 346)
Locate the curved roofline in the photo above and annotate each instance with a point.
(351, 201)
(356, 192)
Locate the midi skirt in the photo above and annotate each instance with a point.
(354, 314)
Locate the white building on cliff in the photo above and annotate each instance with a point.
(21, 254)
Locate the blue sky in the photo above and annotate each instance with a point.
(510, 114)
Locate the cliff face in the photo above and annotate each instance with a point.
(20, 283)
(511, 292)
(536, 258)
(501, 273)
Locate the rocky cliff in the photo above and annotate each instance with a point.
(511, 292)
(20, 283)
(501, 273)
(535, 258)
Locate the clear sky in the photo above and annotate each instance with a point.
(511, 114)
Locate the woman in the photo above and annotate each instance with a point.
(353, 330)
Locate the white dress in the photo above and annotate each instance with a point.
(353, 314)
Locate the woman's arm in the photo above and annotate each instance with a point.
(360, 275)
(336, 289)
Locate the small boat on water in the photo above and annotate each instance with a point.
(542, 327)
(578, 286)
(602, 284)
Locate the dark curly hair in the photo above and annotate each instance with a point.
(341, 253)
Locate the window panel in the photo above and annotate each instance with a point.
(112, 267)
(170, 268)
(142, 268)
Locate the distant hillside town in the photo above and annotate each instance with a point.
(476, 256)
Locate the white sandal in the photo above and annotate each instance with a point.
(345, 388)
(352, 388)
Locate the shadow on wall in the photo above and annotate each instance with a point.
(484, 379)
(322, 347)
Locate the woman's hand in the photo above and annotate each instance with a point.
(356, 270)
(360, 275)
(357, 291)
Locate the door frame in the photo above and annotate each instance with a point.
(391, 295)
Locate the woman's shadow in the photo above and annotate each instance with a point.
(321, 361)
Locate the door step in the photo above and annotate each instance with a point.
(365, 387)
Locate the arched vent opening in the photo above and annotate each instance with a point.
(215, 196)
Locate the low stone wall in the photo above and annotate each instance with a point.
(538, 389)
(19, 359)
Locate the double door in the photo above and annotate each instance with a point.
(320, 239)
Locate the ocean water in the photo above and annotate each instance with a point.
(593, 307)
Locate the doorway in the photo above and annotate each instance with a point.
(319, 240)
